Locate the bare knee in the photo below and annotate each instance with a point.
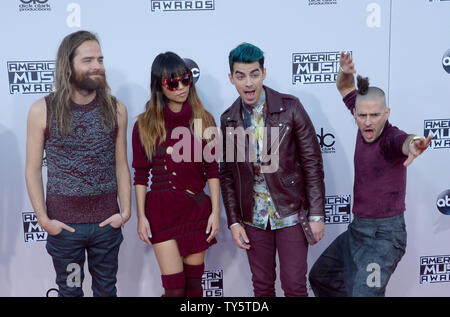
(168, 256)
(195, 258)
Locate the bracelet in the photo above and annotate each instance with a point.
(414, 139)
(316, 219)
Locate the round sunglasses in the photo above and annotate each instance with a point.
(172, 83)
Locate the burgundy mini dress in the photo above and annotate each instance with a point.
(176, 205)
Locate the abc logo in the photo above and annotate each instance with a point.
(446, 61)
(194, 68)
(322, 138)
(443, 202)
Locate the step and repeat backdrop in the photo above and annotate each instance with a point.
(402, 45)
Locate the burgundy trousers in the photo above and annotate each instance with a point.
(292, 248)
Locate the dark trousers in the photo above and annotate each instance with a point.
(292, 248)
(68, 251)
(360, 261)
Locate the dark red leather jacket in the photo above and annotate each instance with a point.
(298, 182)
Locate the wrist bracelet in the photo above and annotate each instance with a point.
(415, 138)
(316, 219)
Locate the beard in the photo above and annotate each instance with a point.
(85, 82)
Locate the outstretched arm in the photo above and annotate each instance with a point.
(345, 81)
(414, 146)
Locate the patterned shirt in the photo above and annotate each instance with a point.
(81, 174)
(264, 208)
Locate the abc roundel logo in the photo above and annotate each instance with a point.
(446, 61)
(194, 68)
(443, 202)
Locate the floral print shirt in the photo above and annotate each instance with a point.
(264, 210)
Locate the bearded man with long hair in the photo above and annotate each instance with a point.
(82, 129)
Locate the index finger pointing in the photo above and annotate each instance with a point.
(428, 140)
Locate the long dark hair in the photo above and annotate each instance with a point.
(151, 122)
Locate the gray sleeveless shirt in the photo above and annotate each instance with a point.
(81, 175)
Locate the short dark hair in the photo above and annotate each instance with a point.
(246, 53)
(365, 91)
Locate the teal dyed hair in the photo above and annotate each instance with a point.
(246, 53)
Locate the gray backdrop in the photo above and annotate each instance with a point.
(400, 44)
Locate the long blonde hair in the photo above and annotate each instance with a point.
(151, 122)
(60, 109)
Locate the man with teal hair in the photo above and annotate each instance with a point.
(270, 210)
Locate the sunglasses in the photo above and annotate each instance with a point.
(172, 83)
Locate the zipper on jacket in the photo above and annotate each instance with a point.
(279, 143)
(240, 181)
(265, 180)
(240, 190)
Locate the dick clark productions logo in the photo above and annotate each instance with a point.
(34, 5)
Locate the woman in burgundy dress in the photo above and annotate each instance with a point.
(175, 215)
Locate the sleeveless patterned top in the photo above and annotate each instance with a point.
(81, 175)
